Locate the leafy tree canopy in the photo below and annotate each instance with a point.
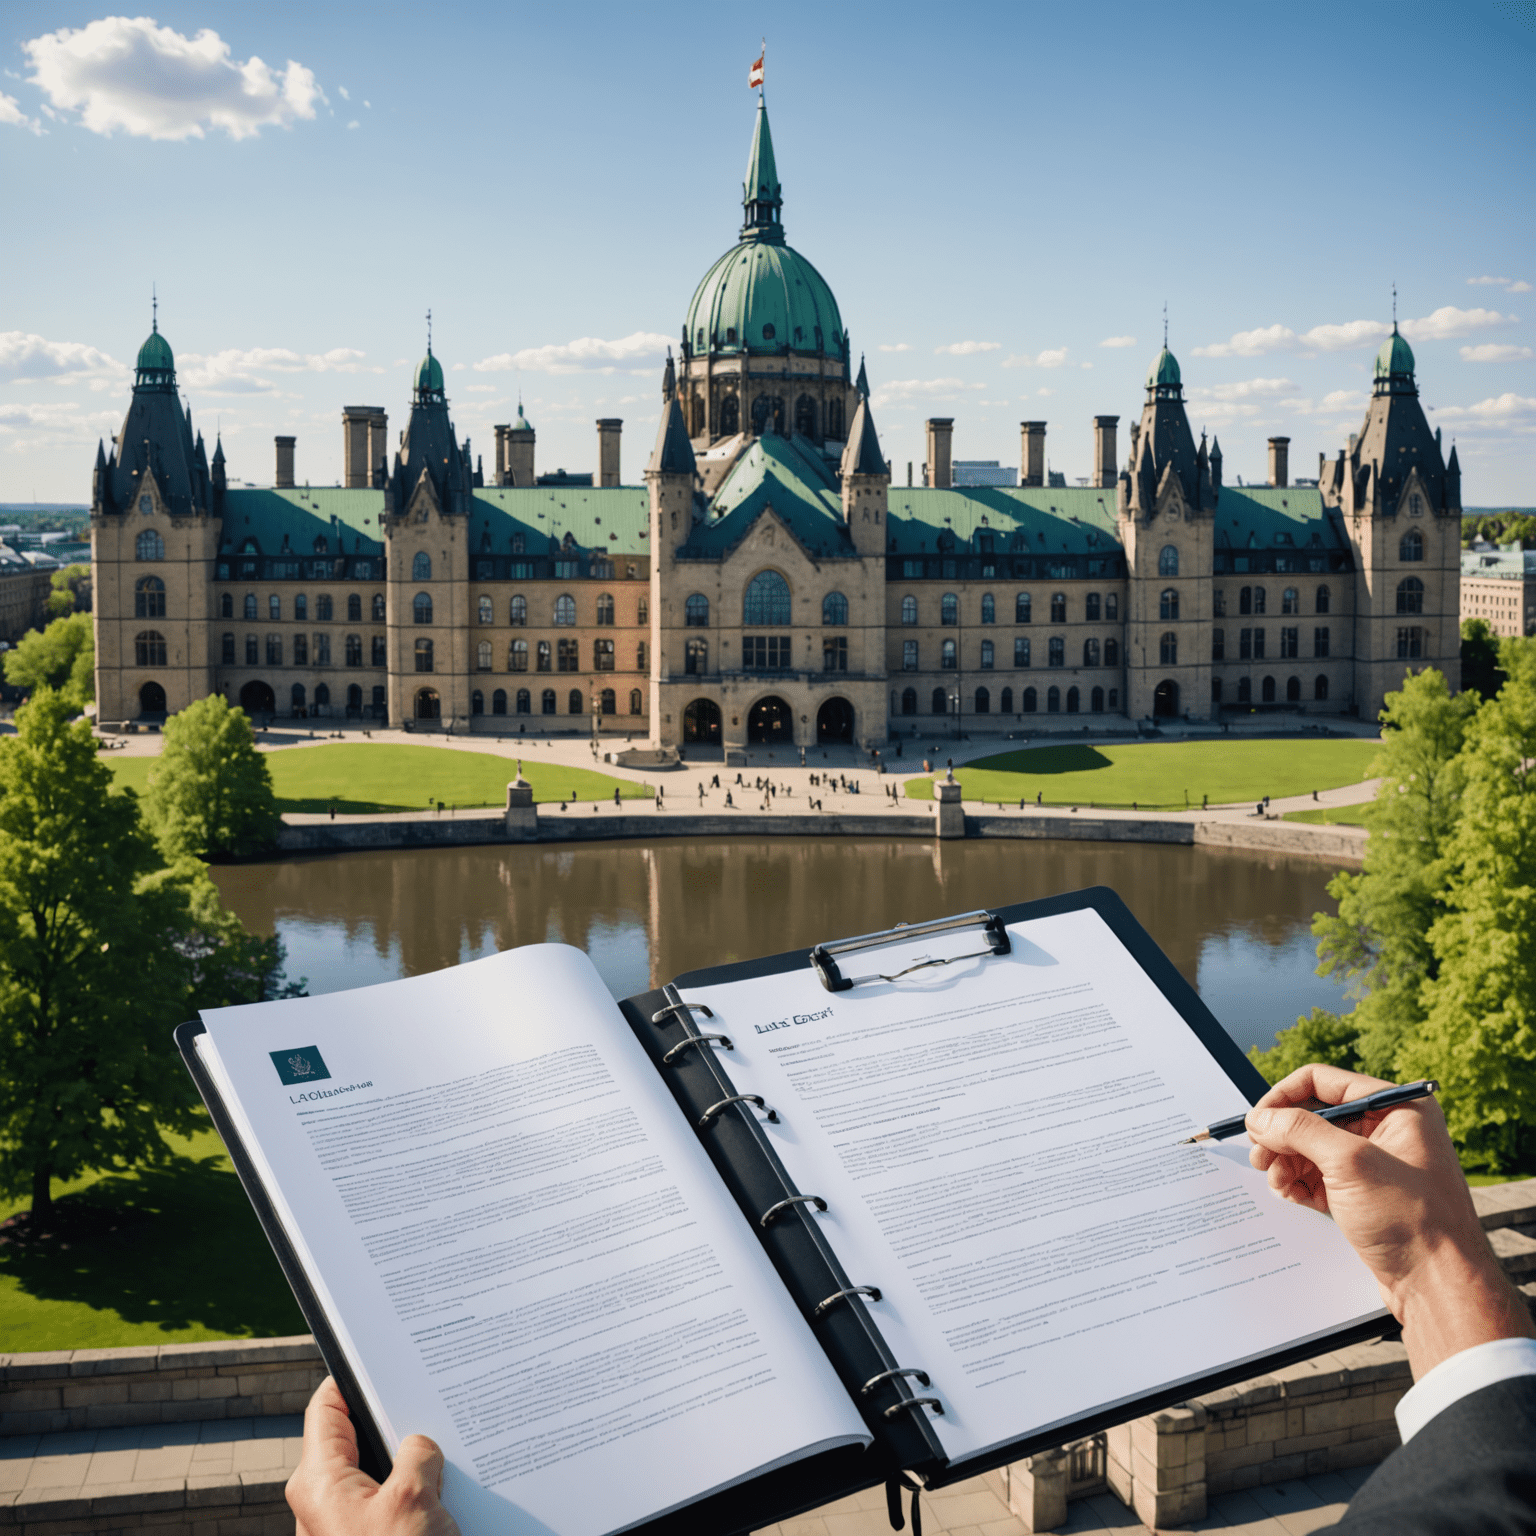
(1500, 528)
(1480, 672)
(71, 591)
(61, 657)
(210, 795)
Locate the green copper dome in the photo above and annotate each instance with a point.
(1396, 356)
(1165, 370)
(764, 297)
(156, 353)
(429, 376)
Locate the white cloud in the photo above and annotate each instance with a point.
(896, 346)
(1506, 410)
(969, 348)
(1052, 358)
(129, 74)
(1508, 285)
(1494, 352)
(11, 114)
(1272, 338)
(899, 391)
(1246, 389)
(243, 371)
(587, 354)
(53, 425)
(1448, 322)
(27, 356)
(1118, 341)
(1445, 323)
(354, 124)
(1340, 338)
(1343, 400)
(346, 95)
(1520, 287)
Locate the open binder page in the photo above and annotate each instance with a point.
(524, 1250)
(995, 1143)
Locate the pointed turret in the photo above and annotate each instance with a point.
(862, 456)
(761, 196)
(1453, 482)
(674, 453)
(1163, 441)
(866, 483)
(861, 384)
(428, 449)
(669, 379)
(1216, 466)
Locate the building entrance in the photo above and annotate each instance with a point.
(1165, 699)
(701, 723)
(834, 722)
(257, 699)
(151, 699)
(428, 705)
(769, 723)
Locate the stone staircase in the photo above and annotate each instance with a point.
(198, 1439)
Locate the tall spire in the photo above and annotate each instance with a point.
(154, 310)
(760, 195)
(861, 385)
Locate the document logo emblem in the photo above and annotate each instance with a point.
(303, 1065)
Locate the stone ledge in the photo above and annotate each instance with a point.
(145, 1359)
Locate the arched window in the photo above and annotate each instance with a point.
(149, 546)
(1021, 608)
(605, 608)
(354, 650)
(379, 651)
(517, 611)
(1168, 561)
(1090, 653)
(988, 609)
(547, 702)
(1021, 650)
(1258, 599)
(573, 702)
(937, 704)
(909, 701)
(421, 608)
(477, 703)
(1096, 701)
(517, 656)
(1290, 601)
(1412, 546)
(835, 419)
(988, 655)
(1005, 702)
(1324, 598)
(1074, 701)
(226, 605)
(909, 610)
(983, 702)
(354, 609)
(1058, 607)
(250, 605)
(1168, 650)
(227, 649)
(1267, 690)
(524, 702)
(1410, 595)
(378, 607)
(608, 702)
(423, 655)
(1029, 701)
(1112, 613)
(767, 601)
(297, 697)
(275, 608)
(949, 609)
(149, 648)
(947, 656)
(1320, 687)
(1111, 653)
(834, 609)
(323, 608)
(1293, 690)
(565, 610)
(149, 598)
(636, 702)
(1245, 600)
(545, 656)
(499, 702)
(485, 611)
(1053, 700)
(483, 656)
(696, 611)
(1091, 608)
(1056, 652)
(1168, 604)
(602, 656)
(421, 566)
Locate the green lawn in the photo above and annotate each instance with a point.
(1159, 775)
(372, 778)
(163, 1257)
(1330, 816)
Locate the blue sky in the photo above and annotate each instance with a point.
(1002, 198)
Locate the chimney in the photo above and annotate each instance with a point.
(608, 430)
(520, 441)
(1031, 453)
(362, 443)
(941, 431)
(378, 448)
(284, 480)
(1104, 450)
(1279, 461)
(501, 453)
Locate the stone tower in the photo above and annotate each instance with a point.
(670, 478)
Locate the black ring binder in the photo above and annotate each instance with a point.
(872, 1291)
(686, 1010)
(824, 956)
(874, 1381)
(914, 1402)
(738, 1098)
(682, 1045)
(784, 1205)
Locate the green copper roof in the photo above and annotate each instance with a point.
(522, 424)
(430, 374)
(1036, 520)
(1396, 356)
(613, 520)
(788, 475)
(156, 353)
(1273, 517)
(760, 192)
(1165, 370)
(761, 297)
(289, 522)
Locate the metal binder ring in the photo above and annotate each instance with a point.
(682, 1045)
(784, 1205)
(872, 1291)
(685, 1009)
(874, 1381)
(913, 1402)
(737, 1098)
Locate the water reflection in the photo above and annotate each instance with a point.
(1235, 925)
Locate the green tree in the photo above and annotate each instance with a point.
(62, 657)
(70, 591)
(210, 795)
(1323, 1036)
(1480, 658)
(1479, 1031)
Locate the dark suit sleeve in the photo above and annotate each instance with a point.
(1471, 1471)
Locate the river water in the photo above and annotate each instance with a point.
(1237, 925)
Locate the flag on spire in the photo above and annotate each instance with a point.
(755, 74)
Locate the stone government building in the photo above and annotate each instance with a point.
(768, 583)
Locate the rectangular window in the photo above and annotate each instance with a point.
(602, 655)
(1219, 603)
(909, 655)
(1320, 640)
(988, 652)
(912, 570)
(380, 657)
(322, 649)
(765, 653)
(640, 662)
(696, 658)
(1410, 643)
(252, 653)
(566, 570)
(834, 653)
(1258, 645)
(1245, 645)
(229, 651)
(1021, 651)
(1290, 641)
(301, 650)
(1057, 655)
(568, 657)
(1218, 645)
(274, 650)
(543, 664)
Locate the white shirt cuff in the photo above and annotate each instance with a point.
(1459, 1377)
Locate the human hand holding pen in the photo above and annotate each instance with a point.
(1392, 1183)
